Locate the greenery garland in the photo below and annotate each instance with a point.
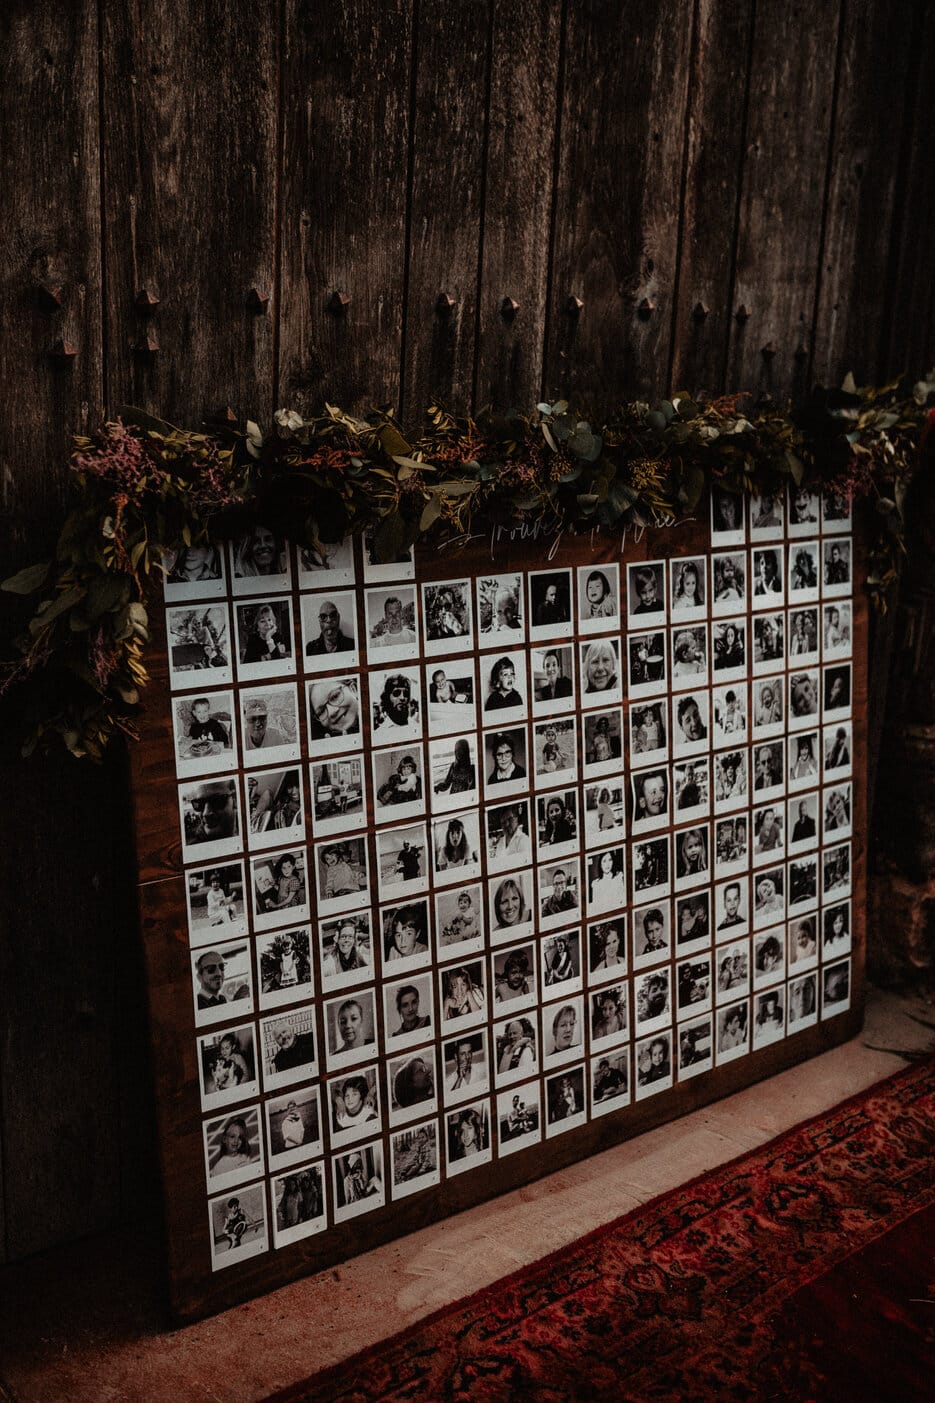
(145, 488)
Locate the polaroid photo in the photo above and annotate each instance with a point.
(334, 717)
(326, 565)
(610, 1082)
(566, 1104)
(194, 572)
(646, 593)
(731, 909)
(836, 930)
(507, 834)
(731, 845)
(607, 950)
(557, 832)
(610, 1022)
(346, 950)
(550, 604)
(689, 656)
(804, 638)
(466, 1066)
(414, 1157)
(728, 583)
(769, 631)
(729, 715)
(554, 753)
(602, 742)
(289, 1048)
(264, 639)
(837, 630)
(294, 1127)
(606, 879)
(378, 571)
(506, 763)
(392, 623)
(769, 769)
(447, 617)
(692, 857)
(767, 516)
(802, 882)
(269, 717)
(408, 1012)
(299, 1206)
(651, 870)
(769, 897)
(501, 621)
(652, 1000)
(342, 874)
(209, 815)
(452, 696)
(804, 578)
(601, 680)
(604, 814)
(351, 1029)
(215, 900)
(260, 562)
(412, 1082)
(233, 1149)
(453, 772)
(353, 1106)
(837, 567)
(467, 1138)
(653, 1061)
(652, 935)
(835, 988)
(803, 761)
(649, 733)
(691, 728)
(562, 1032)
(688, 585)
(649, 800)
(205, 735)
(802, 1003)
(553, 680)
(769, 834)
(459, 920)
(222, 982)
(769, 957)
(598, 598)
(514, 977)
(329, 631)
(512, 911)
(836, 511)
(228, 1066)
(769, 580)
(693, 922)
(769, 1017)
(732, 968)
(729, 650)
(804, 503)
(274, 806)
(769, 708)
(357, 1179)
(237, 1226)
(693, 985)
(837, 692)
(691, 789)
(836, 871)
(504, 690)
(804, 694)
(456, 848)
(561, 961)
(279, 885)
(646, 664)
(284, 961)
(727, 518)
(802, 823)
(402, 861)
(396, 706)
(802, 943)
(733, 1032)
(462, 994)
(731, 781)
(199, 646)
(695, 1047)
(339, 795)
(407, 941)
(837, 812)
(518, 1119)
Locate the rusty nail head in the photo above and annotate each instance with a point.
(225, 415)
(338, 303)
(146, 301)
(63, 350)
(700, 311)
(769, 350)
(742, 314)
(646, 308)
(147, 345)
(445, 304)
(49, 296)
(508, 308)
(574, 306)
(257, 301)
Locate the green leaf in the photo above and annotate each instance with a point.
(392, 441)
(430, 512)
(55, 607)
(454, 488)
(106, 594)
(412, 464)
(27, 581)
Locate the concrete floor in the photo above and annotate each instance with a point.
(82, 1323)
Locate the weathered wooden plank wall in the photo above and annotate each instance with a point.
(242, 165)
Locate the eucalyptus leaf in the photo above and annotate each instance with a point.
(27, 581)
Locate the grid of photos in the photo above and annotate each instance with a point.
(472, 862)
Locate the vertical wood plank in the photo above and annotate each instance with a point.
(619, 192)
(190, 152)
(784, 176)
(714, 158)
(346, 89)
(448, 141)
(518, 199)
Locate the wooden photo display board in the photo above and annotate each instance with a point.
(455, 870)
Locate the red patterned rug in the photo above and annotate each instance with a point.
(804, 1270)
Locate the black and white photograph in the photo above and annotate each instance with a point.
(269, 717)
(729, 650)
(195, 571)
(392, 622)
(516, 1049)
(647, 671)
(835, 989)
(501, 621)
(447, 617)
(769, 834)
(802, 823)
(275, 807)
(334, 717)
(299, 1205)
(504, 690)
(413, 1085)
(506, 763)
(396, 706)
(836, 871)
(233, 1149)
(731, 845)
(210, 819)
(835, 511)
(732, 970)
(205, 737)
(689, 656)
(353, 1106)
(518, 1118)
(729, 714)
(652, 1000)
(379, 571)
(609, 1020)
(341, 874)
(598, 598)
(462, 995)
(802, 943)
(451, 692)
(237, 1226)
(260, 562)
(837, 691)
(691, 732)
(553, 680)
(550, 604)
(769, 1017)
(695, 1047)
(769, 762)
(289, 1048)
(228, 1066)
(554, 753)
(456, 848)
(692, 857)
(804, 637)
(402, 861)
(507, 833)
(279, 884)
(453, 773)
(651, 871)
(837, 632)
(804, 578)
(653, 1062)
(769, 580)
(215, 900)
(767, 515)
(803, 760)
(769, 648)
(652, 935)
(728, 527)
(769, 897)
(728, 583)
(604, 813)
(649, 732)
(514, 976)
(467, 1137)
(346, 949)
(836, 930)
(293, 1126)
(802, 883)
(693, 985)
(329, 631)
(804, 500)
(646, 593)
(328, 565)
(804, 695)
(561, 961)
(691, 789)
(406, 938)
(601, 681)
(264, 639)
(606, 880)
(415, 1158)
(607, 950)
(688, 577)
(408, 1012)
(459, 919)
(693, 922)
(556, 824)
(512, 912)
(358, 1182)
(733, 1032)
(339, 795)
(602, 742)
(837, 812)
(351, 1029)
(650, 803)
(466, 1066)
(222, 982)
(398, 783)
(731, 909)
(563, 1031)
(769, 957)
(610, 1081)
(769, 708)
(284, 961)
(565, 1101)
(802, 1001)
(199, 645)
(836, 567)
